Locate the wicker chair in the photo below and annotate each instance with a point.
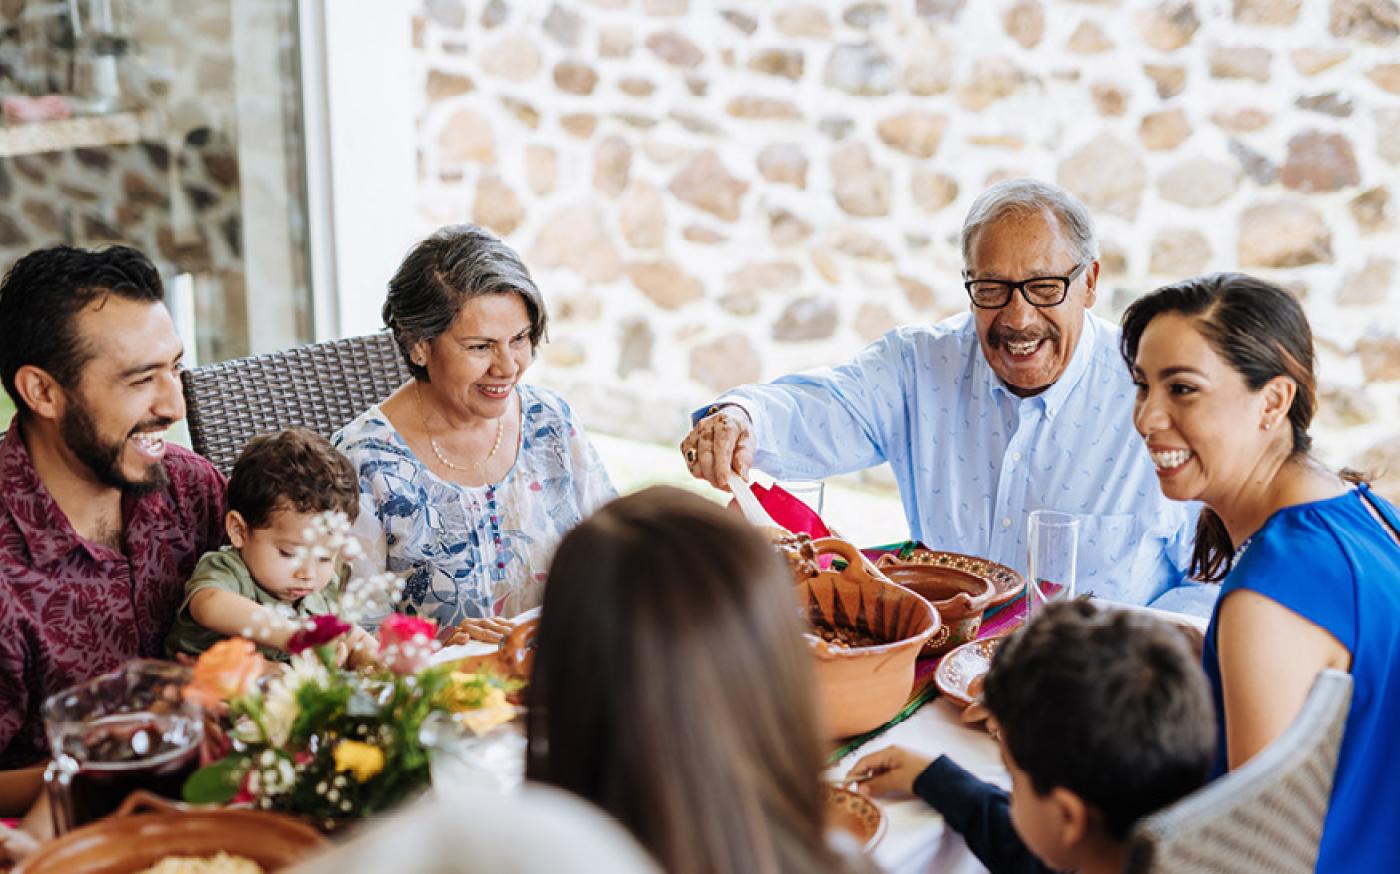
(321, 386)
(1264, 817)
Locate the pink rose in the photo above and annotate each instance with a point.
(323, 629)
(406, 642)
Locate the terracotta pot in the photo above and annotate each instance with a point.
(863, 687)
(130, 840)
(959, 597)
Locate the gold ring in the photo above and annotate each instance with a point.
(690, 456)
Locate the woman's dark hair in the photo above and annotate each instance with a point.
(1261, 332)
(296, 469)
(442, 273)
(40, 299)
(1109, 704)
(672, 688)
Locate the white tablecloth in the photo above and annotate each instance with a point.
(916, 839)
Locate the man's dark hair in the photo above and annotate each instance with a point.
(295, 469)
(42, 295)
(1109, 704)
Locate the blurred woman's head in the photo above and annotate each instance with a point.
(672, 687)
(1226, 391)
(452, 274)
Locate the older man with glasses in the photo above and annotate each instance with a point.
(1022, 405)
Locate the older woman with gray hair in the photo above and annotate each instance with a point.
(468, 476)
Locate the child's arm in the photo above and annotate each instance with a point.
(364, 649)
(977, 810)
(233, 615)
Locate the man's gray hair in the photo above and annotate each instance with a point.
(438, 277)
(1018, 197)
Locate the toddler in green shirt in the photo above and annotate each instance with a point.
(280, 484)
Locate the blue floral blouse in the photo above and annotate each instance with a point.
(473, 551)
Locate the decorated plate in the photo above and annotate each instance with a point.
(1006, 582)
(959, 676)
(856, 815)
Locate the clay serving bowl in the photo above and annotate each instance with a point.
(863, 686)
(959, 597)
(856, 815)
(1007, 582)
(130, 841)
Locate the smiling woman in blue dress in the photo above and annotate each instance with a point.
(468, 476)
(1308, 560)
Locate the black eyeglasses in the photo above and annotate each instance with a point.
(1039, 291)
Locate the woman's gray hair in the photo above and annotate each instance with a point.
(1031, 197)
(438, 277)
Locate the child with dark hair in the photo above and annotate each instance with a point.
(1103, 716)
(280, 484)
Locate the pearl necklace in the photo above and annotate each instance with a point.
(477, 467)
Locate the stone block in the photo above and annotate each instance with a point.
(665, 283)
(705, 183)
(725, 362)
(1281, 234)
(1107, 174)
(1319, 162)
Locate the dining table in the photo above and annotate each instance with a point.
(916, 839)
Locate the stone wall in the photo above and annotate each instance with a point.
(713, 193)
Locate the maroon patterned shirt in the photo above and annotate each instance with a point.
(70, 608)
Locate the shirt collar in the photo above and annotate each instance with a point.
(1054, 397)
(47, 533)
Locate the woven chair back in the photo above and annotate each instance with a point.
(1264, 817)
(321, 386)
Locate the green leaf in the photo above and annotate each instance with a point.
(216, 783)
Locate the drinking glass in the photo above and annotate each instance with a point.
(1053, 541)
(810, 492)
(127, 730)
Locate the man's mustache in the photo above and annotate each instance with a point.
(999, 336)
(152, 425)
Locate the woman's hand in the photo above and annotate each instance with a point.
(489, 629)
(894, 770)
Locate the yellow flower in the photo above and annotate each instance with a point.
(362, 759)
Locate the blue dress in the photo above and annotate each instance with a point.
(472, 552)
(1333, 564)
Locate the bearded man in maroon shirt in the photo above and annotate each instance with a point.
(101, 521)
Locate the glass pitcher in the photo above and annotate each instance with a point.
(127, 730)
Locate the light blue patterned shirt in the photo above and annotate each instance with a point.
(473, 551)
(973, 460)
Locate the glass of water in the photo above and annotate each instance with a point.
(810, 492)
(1053, 541)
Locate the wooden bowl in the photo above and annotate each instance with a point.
(959, 676)
(959, 597)
(130, 841)
(856, 815)
(863, 687)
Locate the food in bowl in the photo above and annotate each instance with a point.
(222, 863)
(797, 550)
(843, 637)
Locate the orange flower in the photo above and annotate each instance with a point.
(225, 671)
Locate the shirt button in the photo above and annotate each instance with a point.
(1015, 456)
(1006, 521)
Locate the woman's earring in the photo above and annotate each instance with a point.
(1267, 425)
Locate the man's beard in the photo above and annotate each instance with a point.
(103, 458)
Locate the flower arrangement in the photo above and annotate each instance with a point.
(317, 739)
